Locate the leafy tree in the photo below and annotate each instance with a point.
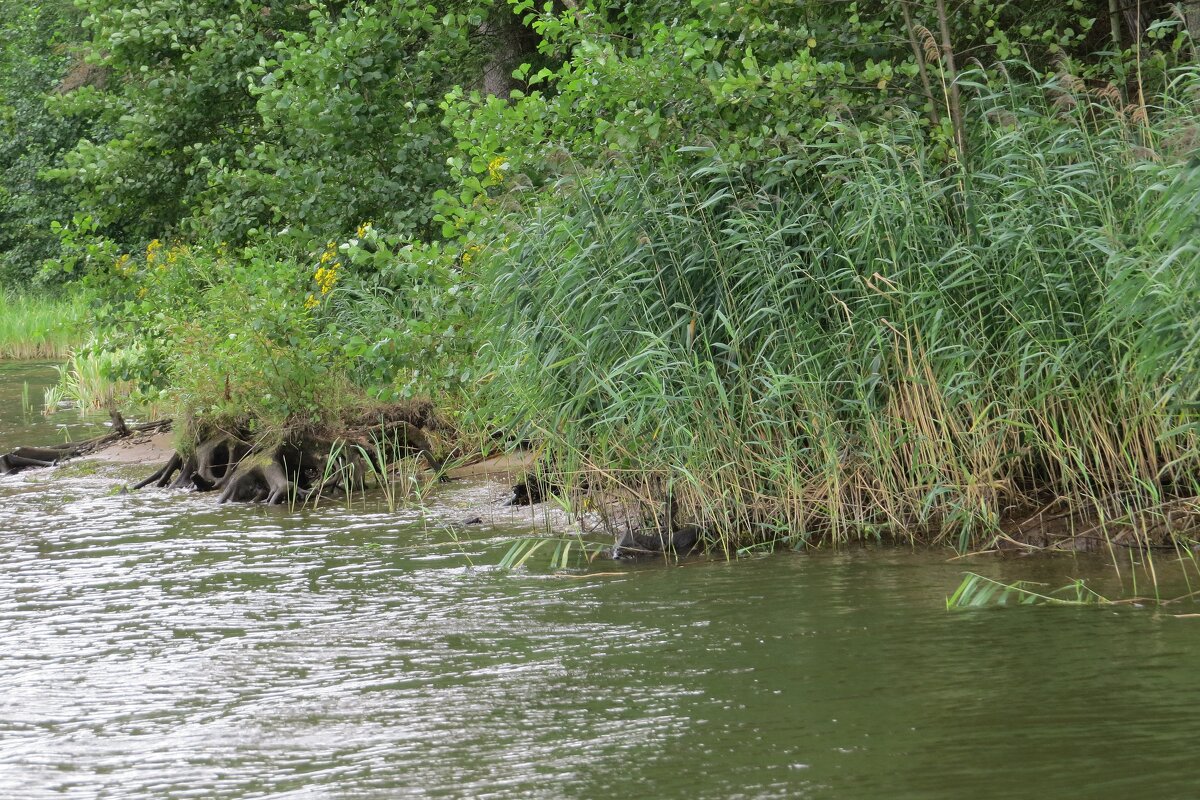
(35, 56)
(238, 117)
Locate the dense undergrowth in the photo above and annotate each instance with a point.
(785, 271)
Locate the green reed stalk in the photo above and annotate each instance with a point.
(823, 351)
(33, 327)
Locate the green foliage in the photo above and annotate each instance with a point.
(349, 109)
(179, 105)
(409, 318)
(741, 249)
(224, 332)
(234, 118)
(277, 330)
(252, 349)
(34, 56)
(750, 81)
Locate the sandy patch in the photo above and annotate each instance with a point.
(501, 468)
(154, 448)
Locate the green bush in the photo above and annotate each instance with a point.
(230, 121)
(279, 331)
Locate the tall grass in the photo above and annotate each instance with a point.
(86, 380)
(867, 339)
(33, 327)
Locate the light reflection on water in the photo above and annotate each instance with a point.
(158, 646)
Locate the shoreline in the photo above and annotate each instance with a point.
(1034, 531)
(478, 497)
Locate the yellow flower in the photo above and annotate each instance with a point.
(327, 277)
(496, 168)
(469, 254)
(330, 253)
(122, 265)
(363, 229)
(152, 250)
(311, 302)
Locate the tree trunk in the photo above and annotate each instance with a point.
(508, 43)
(934, 116)
(1191, 18)
(956, 119)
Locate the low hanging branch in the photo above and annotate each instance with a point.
(23, 458)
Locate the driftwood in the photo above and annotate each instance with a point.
(23, 458)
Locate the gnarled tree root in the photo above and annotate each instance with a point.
(231, 464)
(259, 482)
(162, 476)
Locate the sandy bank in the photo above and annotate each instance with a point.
(149, 449)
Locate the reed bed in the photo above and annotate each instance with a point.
(37, 327)
(87, 381)
(871, 340)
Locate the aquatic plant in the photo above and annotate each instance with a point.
(87, 380)
(563, 552)
(398, 477)
(864, 338)
(978, 591)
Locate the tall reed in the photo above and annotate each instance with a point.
(831, 347)
(86, 380)
(33, 326)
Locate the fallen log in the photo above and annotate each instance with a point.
(27, 457)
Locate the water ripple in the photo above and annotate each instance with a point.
(158, 646)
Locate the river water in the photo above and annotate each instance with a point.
(158, 646)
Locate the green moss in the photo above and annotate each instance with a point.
(77, 468)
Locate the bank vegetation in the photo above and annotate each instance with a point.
(783, 273)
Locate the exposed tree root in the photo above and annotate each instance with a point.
(162, 476)
(47, 456)
(304, 467)
(263, 480)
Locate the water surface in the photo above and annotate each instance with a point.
(22, 389)
(158, 646)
